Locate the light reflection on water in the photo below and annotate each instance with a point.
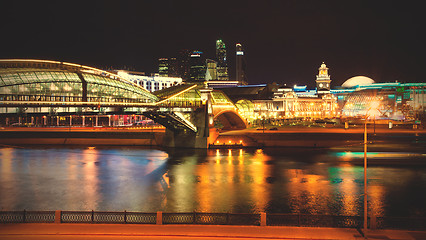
(222, 180)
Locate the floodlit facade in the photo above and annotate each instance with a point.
(222, 66)
(198, 67)
(163, 67)
(211, 73)
(287, 105)
(150, 83)
(38, 80)
(399, 101)
(168, 67)
(323, 80)
(61, 93)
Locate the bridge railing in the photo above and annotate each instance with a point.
(254, 219)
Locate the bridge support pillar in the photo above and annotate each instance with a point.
(189, 139)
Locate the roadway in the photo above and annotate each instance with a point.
(36, 231)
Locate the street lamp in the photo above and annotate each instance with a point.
(373, 107)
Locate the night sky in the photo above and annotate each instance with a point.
(284, 41)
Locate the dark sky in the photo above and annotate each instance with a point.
(285, 41)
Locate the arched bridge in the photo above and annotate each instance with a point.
(219, 108)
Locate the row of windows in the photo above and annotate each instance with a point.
(43, 98)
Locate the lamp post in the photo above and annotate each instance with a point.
(373, 107)
(365, 174)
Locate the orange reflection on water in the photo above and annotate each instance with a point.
(204, 189)
(7, 176)
(307, 191)
(376, 199)
(181, 194)
(348, 190)
(260, 192)
(234, 177)
(91, 180)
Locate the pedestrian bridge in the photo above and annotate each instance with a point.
(42, 89)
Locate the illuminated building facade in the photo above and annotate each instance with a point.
(168, 67)
(150, 83)
(222, 66)
(163, 67)
(323, 80)
(42, 84)
(398, 101)
(198, 67)
(292, 103)
(241, 65)
(211, 73)
(287, 105)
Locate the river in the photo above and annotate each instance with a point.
(275, 180)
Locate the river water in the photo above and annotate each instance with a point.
(226, 180)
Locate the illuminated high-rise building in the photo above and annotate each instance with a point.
(198, 67)
(168, 67)
(211, 73)
(222, 66)
(323, 80)
(241, 65)
(163, 67)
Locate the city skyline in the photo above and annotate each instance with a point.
(284, 41)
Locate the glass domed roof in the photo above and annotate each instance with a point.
(356, 81)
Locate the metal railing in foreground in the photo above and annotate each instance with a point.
(107, 217)
(27, 216)
(262, 219)
(211, 218)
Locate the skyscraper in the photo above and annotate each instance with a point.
(183, 64)
(163, 67)
(198, 67)
(173, 68)
(222, 66)
(168, 67)
(241, 65)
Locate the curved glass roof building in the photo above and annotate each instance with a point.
(47, 81)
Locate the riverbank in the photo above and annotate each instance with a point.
(325, 138)
(398, 139)
(82, 136)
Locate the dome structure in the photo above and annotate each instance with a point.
(356, 81)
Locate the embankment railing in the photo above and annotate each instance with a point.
(262, 219)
